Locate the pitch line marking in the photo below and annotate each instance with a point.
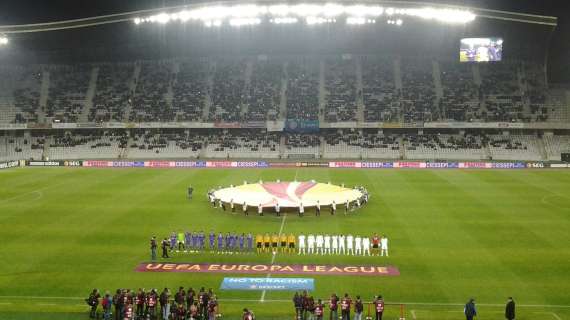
(413, 312)
(262, 298)
(555, 316)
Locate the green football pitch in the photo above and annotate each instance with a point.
(454, 234)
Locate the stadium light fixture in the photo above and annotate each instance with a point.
(3, 40)
(399, 22)
(356, 20)
(312, 13)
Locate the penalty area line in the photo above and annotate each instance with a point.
(273, 255)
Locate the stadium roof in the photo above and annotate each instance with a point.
(132, 15)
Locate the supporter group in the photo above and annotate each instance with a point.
(187, 304)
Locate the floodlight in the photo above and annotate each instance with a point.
(3, 40)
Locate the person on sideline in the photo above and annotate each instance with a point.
(153, 247)
(470, 310)
(510, 309)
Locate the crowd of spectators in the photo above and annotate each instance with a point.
(303, 90)
(150, 98)
(341, 104)
(460, 101)
(363, 139)
(248, 89)
(113, 93)
(67, 92)
(228, 91)
(380, 97)
(418, 99)
(190, 89)
(263, 97)
(27, 95)
(252, 141)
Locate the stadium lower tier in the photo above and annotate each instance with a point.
(391, 144)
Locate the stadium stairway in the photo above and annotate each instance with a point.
(169, 97)
(44, 93)
(436, 73)
(359, 90)
(209, 89)
(542, 149)
(322, 92)
(282, 146)
(283, 93)
(402, 148)
(90, 95)
(247, 84)
(398, 74)
(132, 87)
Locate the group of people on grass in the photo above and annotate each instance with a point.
(309, 308)
(149, 304)
(270, 243)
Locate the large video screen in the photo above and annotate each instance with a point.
(481, 49)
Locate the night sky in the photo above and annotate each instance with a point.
(35, 11)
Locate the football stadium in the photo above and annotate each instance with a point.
(401, 160)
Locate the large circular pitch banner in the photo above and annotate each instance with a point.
(287, 194)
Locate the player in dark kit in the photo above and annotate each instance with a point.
(140, 299)
(212, 240)
(241, 242)
(164, 247)
(212, 308)
(333, 305)
(128, 312)
(201, 299)
(93, 302)
(220, 242)
(249, 242)
(345, 307)
(319, 310)
(180, 296)
(247, 315)
(180, 312)
(151, 300)
(379, 307)
(190, 294)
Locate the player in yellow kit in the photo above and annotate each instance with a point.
(291, 240)
(274, 242)
(283, 242)
(266, 242)
(259, 242)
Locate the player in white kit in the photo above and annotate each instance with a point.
(320, 241)
(327, 244)
(384, 246)
(357, 245)
(341, 240)
(334, 244)
(311, 244)
(302, 244)
(349, 245)
(365, 246)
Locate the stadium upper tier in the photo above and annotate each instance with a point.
(331, 89)
(260, 144)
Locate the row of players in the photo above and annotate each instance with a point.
(340, 244)
(311, 244)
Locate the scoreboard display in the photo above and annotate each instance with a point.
(481, 49)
